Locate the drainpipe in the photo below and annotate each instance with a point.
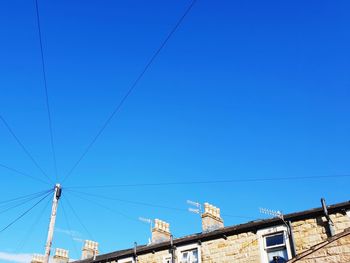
(329, 220)
(291, 240)
(135, 252)
(172, 249)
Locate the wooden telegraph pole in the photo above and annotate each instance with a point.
(56, 197)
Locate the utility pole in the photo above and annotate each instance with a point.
(56, 197)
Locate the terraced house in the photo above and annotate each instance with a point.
(316, 235)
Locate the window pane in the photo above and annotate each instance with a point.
(190, 256)
(194, 256)
(277, 256)
(274, 240)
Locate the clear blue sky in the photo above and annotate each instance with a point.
(244, 89)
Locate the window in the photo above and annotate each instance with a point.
(274, 245)
(189, 254)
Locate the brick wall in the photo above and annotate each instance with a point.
(240, 248)
(244, 247)
(310, 232)
(336, 249)
(153, 257)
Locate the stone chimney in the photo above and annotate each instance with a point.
(90, 249)
(211, 219)
(160, 231)
(38, 258)
(61, 256)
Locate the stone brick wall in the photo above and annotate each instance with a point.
(244, 247)
(153, 258)
(310, 232)
(336, 250)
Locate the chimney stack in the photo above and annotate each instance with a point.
(61, 256)
(37, 258)
(211, 219)
(90, 249)
(160, 232)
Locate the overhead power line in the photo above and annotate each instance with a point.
(27, 235)
(23, 147)
(79, 194)
(70, 231)
(23, 214)
(130, 202)
(21, 202)
(23, 174)
(78, 218)
(24, 196)
(45, 86)
(239, 180)
(132, 87)
(102, 206)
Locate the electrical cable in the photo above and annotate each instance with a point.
(24, 148)
(24, 196)
(32, 228)
(45, 86)
(103, 206)
(23, 202)
(250, 180)
(23, 214)
(130, 202)
(79, 220)
(149, 204)
(70, 231)
(23, 174)
(132, 87)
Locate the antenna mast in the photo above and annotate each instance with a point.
(197, 210)
(56, 197)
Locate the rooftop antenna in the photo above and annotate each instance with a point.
(147, 221)
(197, 210)
(270, 212)
(275, 213)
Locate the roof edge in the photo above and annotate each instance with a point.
(252, 226)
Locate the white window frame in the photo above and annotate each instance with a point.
(275, 246)
(180, 250)
(262, 233)
(126, 260)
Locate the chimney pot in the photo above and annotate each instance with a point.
(211, 219)
(61, 256)
(160, 232)
(90, 249)
(37, 258)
